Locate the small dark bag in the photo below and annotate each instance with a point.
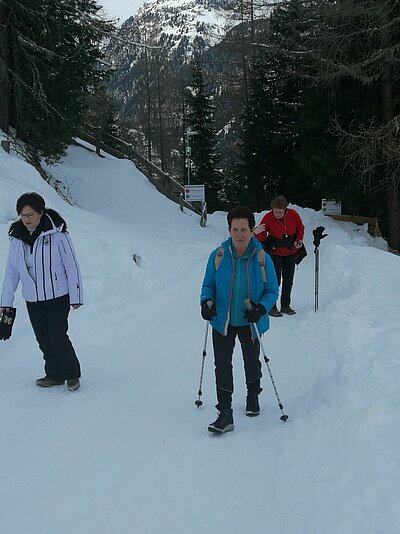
(6, 323)
(300, 254)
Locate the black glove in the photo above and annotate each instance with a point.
(254, 314)
(318, 234)
(208, 309)
(6, 323)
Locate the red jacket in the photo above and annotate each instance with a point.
(289, 225)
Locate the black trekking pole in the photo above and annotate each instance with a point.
(283, 417)
(198, 402)
(318, 234)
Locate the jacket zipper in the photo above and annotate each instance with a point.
(51, 278)
(230, 293)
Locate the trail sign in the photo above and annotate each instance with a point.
(331, 206)
(194, 193)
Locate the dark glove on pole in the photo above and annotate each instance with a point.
(208, 309)
(6, 323)
(254, 311)
(318, 234)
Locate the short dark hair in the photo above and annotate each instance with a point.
(34, 200)
(280, 202)
(242, 212)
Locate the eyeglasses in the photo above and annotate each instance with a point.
(27, 215)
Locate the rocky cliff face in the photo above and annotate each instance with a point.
(181, 29)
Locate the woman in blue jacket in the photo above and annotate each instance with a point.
(237, 271)
(43, 259)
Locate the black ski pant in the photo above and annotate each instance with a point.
(284, 268)
(223, 352)
(49, 319)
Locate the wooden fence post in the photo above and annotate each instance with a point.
(98, 141)
(5, 145)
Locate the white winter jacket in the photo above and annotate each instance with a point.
(56, 269)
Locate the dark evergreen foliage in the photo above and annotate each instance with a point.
(203, 155)
(53, 53)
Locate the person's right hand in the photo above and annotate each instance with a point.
(259, 229)
(208, 309)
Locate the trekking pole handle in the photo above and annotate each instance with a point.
(248, 304)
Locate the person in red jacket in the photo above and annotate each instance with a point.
(281, 232)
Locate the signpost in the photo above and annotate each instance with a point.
(189, 134)
(194, 193)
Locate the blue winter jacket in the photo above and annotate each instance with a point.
(218, 284)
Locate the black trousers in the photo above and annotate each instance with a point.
(284, 268)
(223, 351)
(49, 321)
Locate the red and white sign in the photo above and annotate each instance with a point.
(194, 193)
(331, 206)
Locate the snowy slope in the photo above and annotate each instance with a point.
(130, 453)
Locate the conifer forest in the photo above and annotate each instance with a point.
(292, 97)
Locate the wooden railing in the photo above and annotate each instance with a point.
(160, 179)
(373, 222)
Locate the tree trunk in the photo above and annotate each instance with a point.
(4, 73)
(244, 59)
(184, 125)
(392, 195)
(148, 97)
(393, 206)
(160, 121)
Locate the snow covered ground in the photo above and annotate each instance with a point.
(130, 453)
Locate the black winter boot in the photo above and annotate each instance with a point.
(223, 423)
(252, 403)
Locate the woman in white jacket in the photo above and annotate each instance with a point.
(43, 259)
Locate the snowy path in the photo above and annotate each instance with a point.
(129, 453)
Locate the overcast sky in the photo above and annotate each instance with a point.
(122, 9)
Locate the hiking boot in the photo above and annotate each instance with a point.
(274, 312)
(47, 382)
(223, 423)
(73, 384)
(288, 310)
(252, 405)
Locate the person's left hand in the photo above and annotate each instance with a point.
(298, 244)
(254, 313)
(75, 306)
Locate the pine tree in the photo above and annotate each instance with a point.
(268, 136)
(356, 43)
(52, 63)
(203, 155)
